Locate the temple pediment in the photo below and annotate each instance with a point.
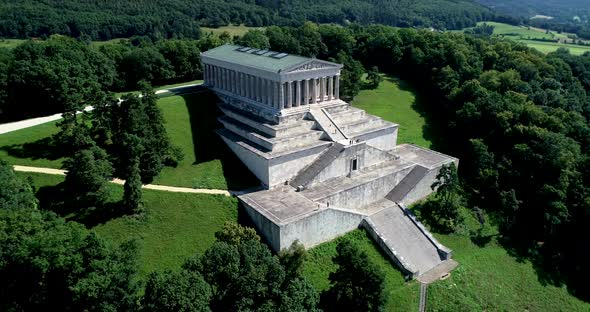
(312, 65)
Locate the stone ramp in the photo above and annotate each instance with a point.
(327, 124)
(403, 240)
(407, 184)
(309, 172)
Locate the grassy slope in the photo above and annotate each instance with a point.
(489, 279)
(401, 296)
(208, 163)
(30, 147)
(394, 101)
(523, 34)
(176, 227)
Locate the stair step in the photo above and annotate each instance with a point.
(408, 183)
(405, 239)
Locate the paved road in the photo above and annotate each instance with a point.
(146, 186)
(22, 124)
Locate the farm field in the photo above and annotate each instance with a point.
(526, 35)
(234, 30)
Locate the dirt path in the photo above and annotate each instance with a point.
(146, 186)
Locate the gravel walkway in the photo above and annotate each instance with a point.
(146, 186)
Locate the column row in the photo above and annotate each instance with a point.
(310, 91)
(252, 87)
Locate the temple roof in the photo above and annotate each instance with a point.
(262, 59)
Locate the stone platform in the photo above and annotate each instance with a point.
(326, 167)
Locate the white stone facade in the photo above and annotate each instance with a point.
(327, 167)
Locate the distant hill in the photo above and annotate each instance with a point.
(559, 10)
(107, 19)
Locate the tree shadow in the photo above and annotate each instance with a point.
(434, 129)
(57, 198)
(203, 114)
(45, 148)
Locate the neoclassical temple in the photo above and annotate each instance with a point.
(271, 79)
(325, 166)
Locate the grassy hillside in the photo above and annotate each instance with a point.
(395, 101)
(176, 225)
(530, 36)
(190, 123)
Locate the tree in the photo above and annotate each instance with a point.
(254, 39)
(448, 197)
(235, 234)
(373, 77)
(88, 172)
(245, 276)
(47, 263)
(357, 284)
(292, 259)
(14, 192)
(132, 189)
(183, 291)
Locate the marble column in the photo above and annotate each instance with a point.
(275, 95)
(330, 88)
(322, 89)
(289, 94)
(337, 87)
(297, 93)
(306, 92)
(282, 95)
(267, 92)
(313, 90)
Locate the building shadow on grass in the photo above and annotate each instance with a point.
(203, 111)
(45, 148)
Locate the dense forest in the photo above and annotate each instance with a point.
(180, 18)
(517, 119)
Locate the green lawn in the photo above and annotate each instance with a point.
(208, 163)
(190, 123)
(234, 30)
(402, 296)
(394, 101)
(176, 227)
(31, 147)
(10, 43)
(489, 279)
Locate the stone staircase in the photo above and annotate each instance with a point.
(405, 240)
(308, 173)
(327, 124)
(407, 184)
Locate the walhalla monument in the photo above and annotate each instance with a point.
(327, 168)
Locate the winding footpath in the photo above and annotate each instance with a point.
(27, 123)
(156, 187)
(179, 90)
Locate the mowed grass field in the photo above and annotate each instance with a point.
(176, 226)
(525, 34)
(490, 279)
(394, 101)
